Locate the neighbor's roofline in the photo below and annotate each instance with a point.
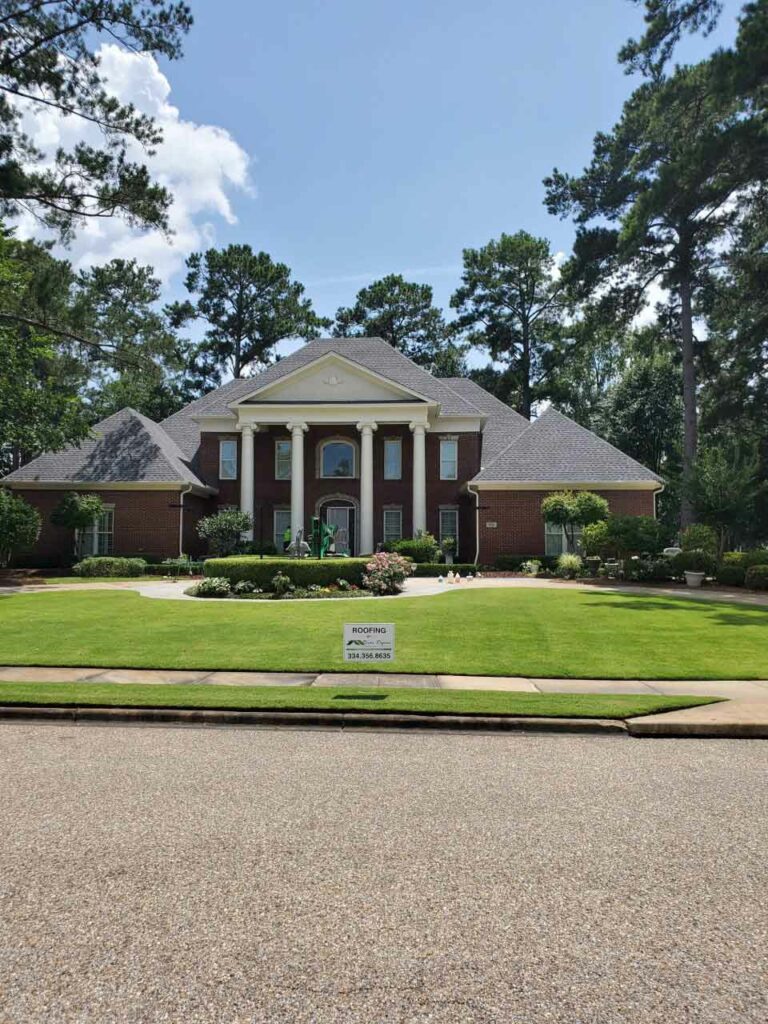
(567, 485)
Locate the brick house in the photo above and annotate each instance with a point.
(350, 430)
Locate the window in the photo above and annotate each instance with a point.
(393, 524)
(393, 459)
(449, 458)
(449, 524)
(337, 459)
(555, 542)
(282, 461)
(96, 539)
(281, 523)
(227, 460)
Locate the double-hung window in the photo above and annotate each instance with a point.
(393, 524)
(227, 460)
(283, 460)
(449, 458)
(97, 538)
(393, 458)
(555, 540)
(449, 525)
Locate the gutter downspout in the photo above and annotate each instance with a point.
(181, 518)
(656, 500)
(477, 522)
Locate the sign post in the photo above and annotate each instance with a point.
(369, 641)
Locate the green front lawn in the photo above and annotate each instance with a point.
(526, 632)
(292, 698)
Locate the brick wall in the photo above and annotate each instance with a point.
(144, 524)
(520, 527)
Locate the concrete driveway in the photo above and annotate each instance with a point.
(222, 876)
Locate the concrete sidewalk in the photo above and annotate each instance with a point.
(732, 689)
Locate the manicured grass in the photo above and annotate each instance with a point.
(292, 698)
(526, 632)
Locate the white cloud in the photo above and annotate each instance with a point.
(200, 165)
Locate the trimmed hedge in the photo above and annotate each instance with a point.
(731, 575)
(301, 571)
(419, 549)
(512, 563)
(757, 577)
(692, 561)
(104, 565)
(442, 569)
(745, 559)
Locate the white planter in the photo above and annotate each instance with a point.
(448, 557)
(694, 579)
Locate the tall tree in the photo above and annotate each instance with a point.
(249, 303)
(512, 303)
(48, 61)
(402, 312)
(666, 178)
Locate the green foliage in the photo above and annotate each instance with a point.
(48, 56)
(386, 573)
(224, 530)
(646, 570)
(723, 489)
(514, 563)
(110, 565)
(281, 584)
(531, 568)
(19, 525)
(634, 535)
(744, 559)
(594, 538)
(248, 303)
(212, 586)
(699, 536)
(401, 312)
(572, 509)
(512, 304)
(568, 566)
(731, 575)
(642, 412)
(757, 577)
(692, 561)
(302, 572)
(423, 548)
(77, 511)
(183, 566)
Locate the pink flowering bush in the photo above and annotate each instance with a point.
(386, 573)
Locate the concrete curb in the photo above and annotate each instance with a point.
(309, 719)
(697, 730)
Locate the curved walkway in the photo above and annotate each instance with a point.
(417, 587)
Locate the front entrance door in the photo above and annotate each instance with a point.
(341, 517)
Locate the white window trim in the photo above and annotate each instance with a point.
(224, 441)
(389, 510)
(278, 442)
(554, 530)
(455, 442)
(95, 535)
(322, 445)
(399, 442)
(455, 535)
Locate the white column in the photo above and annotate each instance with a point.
(366, 487)
(297, 478)
(246, 471)
(419, 478)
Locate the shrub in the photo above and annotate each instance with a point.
(440, 568)
(731, 575)
(261, 548)
(423, 548)
(646, 569)
(568, 566)
(212, 586)
(386, 573)
(514, 563)
(698, 537)
(280, 584)
(531, 568)
(572, 509)
(594, 538)
(224, 530)
(757, 577)
(245, 587)
(19, 525)
(744, 559)
(692, 561)
(301, 571)
(77, 511)
(633, 535)
(108, 565)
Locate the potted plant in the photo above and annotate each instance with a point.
(693, 566)
(448, 547)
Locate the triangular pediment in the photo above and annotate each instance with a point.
(331, 379)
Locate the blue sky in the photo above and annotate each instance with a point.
(387, 136)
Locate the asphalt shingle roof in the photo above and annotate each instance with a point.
(127, 447)
(555, 449)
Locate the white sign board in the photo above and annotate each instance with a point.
(369, 641)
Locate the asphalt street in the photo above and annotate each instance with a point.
(232, 875)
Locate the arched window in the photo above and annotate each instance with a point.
(337, 459)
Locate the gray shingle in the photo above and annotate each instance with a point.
(555, 449)
(124, 448)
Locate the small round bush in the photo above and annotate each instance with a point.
(281, 584)
(386, 573)
(110, 565)
(692, 561)
(757, 577)
(244, 587)
(531, 568)
(568, 566)
(731, 575)
(213, 586)
(423, 548)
